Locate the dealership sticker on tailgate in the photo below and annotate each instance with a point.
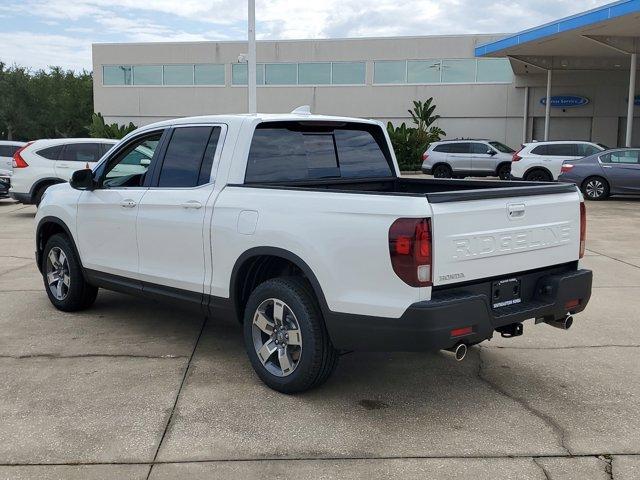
(505, 292)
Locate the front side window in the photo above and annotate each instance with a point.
(81, 152)
(189, 157)
(8, 150)
(289, 151)
(129, 167)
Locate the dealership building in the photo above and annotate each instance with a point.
(484, 86)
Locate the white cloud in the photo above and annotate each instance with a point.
(43, 51)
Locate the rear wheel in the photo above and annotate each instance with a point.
(442, 171)
(37, 197)
(504, 171)
(595, 188)
(538, 175)
(285, 336)
(63, 279)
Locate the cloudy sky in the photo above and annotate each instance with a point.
(39, 33)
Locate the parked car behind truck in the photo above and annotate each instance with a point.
(300, 227)
(467, 157)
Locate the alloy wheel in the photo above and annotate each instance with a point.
(277, 338)
(594, 188)
(57, 271)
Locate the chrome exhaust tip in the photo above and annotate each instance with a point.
(562, 323)
(459, 351)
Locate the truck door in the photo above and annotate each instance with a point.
(170, 223)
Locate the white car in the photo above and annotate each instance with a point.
(43, 163)
(301, 228)
(542, 161)
(467, 157)
(7, 149)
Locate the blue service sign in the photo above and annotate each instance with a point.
(566, 101)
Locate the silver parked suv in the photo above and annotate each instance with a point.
(467, 157)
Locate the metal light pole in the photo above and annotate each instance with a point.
(251, 59)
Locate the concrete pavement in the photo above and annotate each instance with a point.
(135, 389)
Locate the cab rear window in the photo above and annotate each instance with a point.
(290, 151)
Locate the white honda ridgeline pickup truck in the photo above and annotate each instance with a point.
(300, 227)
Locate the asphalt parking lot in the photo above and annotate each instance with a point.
(135, 389)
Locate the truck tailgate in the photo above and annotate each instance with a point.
(495, 237)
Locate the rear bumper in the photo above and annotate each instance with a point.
(427, 325)
(426, 170)
(5, 184)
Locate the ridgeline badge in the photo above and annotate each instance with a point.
(566, 101)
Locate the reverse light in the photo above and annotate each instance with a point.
(410, 250)
(18, 161)
(583, 229)
(566, 168)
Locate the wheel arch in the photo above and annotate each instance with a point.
(538, 167)
(259, 264)
(47, 227)
(41, 182)
(501, 164)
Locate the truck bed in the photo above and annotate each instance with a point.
(436, 190)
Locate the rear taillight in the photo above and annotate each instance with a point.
(515, 156)
(18, 161)
(583, 229)
(566, 168)
(425, 155)
(410, 250)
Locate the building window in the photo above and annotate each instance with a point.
(459, 71)
(178, 74)
(116, 75)
(280, 74)
(348, 73)
(494, 70)
(239, 74)
(424, 71)
(208, 74)
(147, 74)
(314, 73)
(389, 72)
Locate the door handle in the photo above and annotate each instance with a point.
(606, 166)
(63, 165)
(192, 204)
(128, 203)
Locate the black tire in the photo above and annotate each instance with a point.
(317, 358)
(442, 171)
(595, 188)
(504, 171)
(37, 197)
(538, 175)
(78, 294)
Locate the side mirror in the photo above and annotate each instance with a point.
(491, 152)
(145, 162)
(82, 179)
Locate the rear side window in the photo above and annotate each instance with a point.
(540, 150)
(189, 157)
(460, 148)
(562, 150)
(51, 153)
(81, 152)
(304, 151)
(584, 149)
(444, 148)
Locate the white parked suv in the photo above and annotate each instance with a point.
(7, 149)
(542, 161)
(301, 228)
(42, 163)
(467, 157)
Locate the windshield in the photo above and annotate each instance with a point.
(501, 147)
(603, 146)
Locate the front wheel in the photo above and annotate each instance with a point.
(595, 188)
(285, 336)
(63, 279)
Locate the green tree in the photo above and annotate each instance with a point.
(100, 129)
(409, 143)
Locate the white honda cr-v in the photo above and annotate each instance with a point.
(542, 161)
(43, 163)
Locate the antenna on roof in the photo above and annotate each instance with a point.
(302, 110)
